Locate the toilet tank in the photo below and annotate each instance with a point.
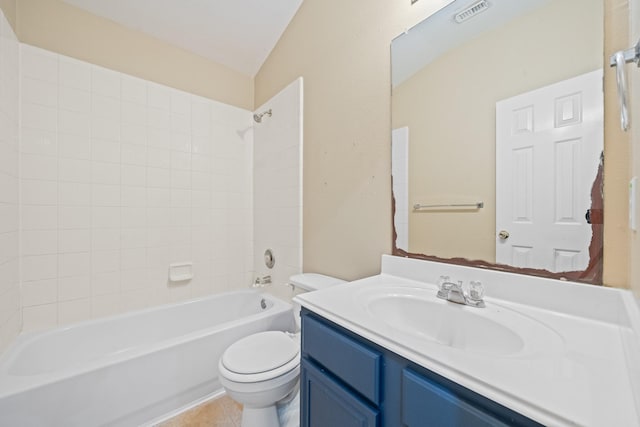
(309, 282)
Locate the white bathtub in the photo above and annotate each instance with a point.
(129, 369)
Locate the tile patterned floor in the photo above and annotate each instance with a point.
(222, 412)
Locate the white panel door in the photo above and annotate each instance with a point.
(548, 146)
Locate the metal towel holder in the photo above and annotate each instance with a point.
(618, 60)
(477, 205)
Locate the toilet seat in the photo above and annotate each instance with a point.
(260, 357)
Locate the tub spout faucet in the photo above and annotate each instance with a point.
(454, 292)
(261, 282)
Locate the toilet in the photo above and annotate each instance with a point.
(262, 369)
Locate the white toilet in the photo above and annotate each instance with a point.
(262, 369)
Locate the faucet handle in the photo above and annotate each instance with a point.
(444, 282)
(443, 286)
(476, 290)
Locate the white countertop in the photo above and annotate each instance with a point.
(582, 377)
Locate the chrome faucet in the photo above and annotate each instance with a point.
(261, 282)
(454, 292)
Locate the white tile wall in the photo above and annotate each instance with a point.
(278, 187)
(10, 314)
(120, 178)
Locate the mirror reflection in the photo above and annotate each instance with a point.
(497, 116)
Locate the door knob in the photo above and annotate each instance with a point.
(503, 234)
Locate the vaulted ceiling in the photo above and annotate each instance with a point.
(237, 33)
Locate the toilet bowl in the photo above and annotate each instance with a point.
(262, 370)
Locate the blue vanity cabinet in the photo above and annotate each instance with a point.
(347, 381)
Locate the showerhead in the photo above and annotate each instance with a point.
(258, 117)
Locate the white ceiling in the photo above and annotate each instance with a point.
(237, 33)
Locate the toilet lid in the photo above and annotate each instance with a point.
(261, 352)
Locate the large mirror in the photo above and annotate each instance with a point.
(497, 117)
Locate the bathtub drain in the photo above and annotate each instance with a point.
(263, 304)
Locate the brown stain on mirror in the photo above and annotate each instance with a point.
(593, 273)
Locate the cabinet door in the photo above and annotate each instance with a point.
(428, 404)
(325, 402)
(350, 360)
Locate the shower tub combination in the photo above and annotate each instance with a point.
(129, 369)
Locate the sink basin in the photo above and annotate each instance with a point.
(490, 331)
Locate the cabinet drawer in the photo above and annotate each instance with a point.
(347, 359)
(426, 403)
(326, 402)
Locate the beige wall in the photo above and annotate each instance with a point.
(460, 116)
(341, 48)
(62, 28)
(635, 134)
(9, 9)
(617, 153)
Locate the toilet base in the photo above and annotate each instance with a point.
(260, 417)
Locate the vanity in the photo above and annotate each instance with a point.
(384, 351)
(342, 380)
